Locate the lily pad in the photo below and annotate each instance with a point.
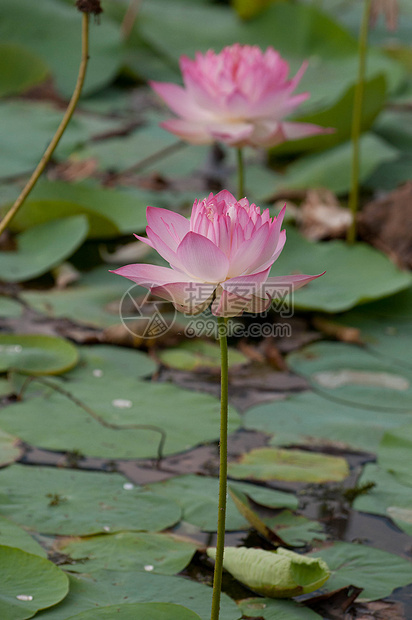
(309, 418)
(110, 212)
(277, 574)
(376, 571)
(351, 375)
(270, 609)
(19, 70)
(109, 419)
(10, 448)
(196, 354)
(43, 247)
(154, 553)
(9, 308)
(331, 168)
(394, 453)
(91, 592)
(144, 611)
(389, 497)
(28, 583)
(62, 24)
(354, 274)
(93, 300)
(68, 502)
(36, 354)
(11, 535)
(290, 465)
(198, 498)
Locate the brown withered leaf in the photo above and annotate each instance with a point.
(321, 217)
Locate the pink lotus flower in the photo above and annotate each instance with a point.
(223, 255)
(239, 97)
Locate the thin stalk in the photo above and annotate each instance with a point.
(240, 175)
(60, 131)
(221, 521)
(357, 121)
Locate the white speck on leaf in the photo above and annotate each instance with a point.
(149, 567)
(24, 597)
(128, 486)
(122, 403)
(97, 373)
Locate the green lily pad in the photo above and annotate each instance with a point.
(353, 376)
(36, 354)
(112, 420)
(92, 592)
(10, 448)
(62, 23)
(9, 308)
(40, 121)
(376, 571)
(354, 274)
(198, 498)
(93, 300)
(68, 502)
(28, 583)
(277, 574)
(43, 247)
(110, 212)
(389, 497)
(19, 70)
(270, 609)
(309, 418)
(331, 168)
(144, 611)
(388, 338)
(158, 553)
(291, 465)
(394, 453)
(11, 535)
(195, 354)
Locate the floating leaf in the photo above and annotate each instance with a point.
(198, 497)
(270, 609)
(376, 571)
(68, 502)
(353, 376)
(40, 121)
(394, 453)
(28, 583)
(36, 354)
(94, 300)
(158, 553)
(309, 418)
(43, 247)
(354, 274)
(195, 354)
(109, 211)
(113, 588)
(11, 535)
(10, 448)
(291, 465)
(19, 70)
(9, 308)
(389, 497)
(145, 611)
(331, 168)
(63, 27)
(277, 574)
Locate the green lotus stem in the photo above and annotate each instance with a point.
(240, 175)
(357, 121)
(221, 521)
(60, 131)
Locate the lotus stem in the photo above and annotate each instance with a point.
(60, 131)
(240, 175)
(221, 522)
(357, 121)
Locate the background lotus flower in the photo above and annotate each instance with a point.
(239, 96)
(223, 254)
